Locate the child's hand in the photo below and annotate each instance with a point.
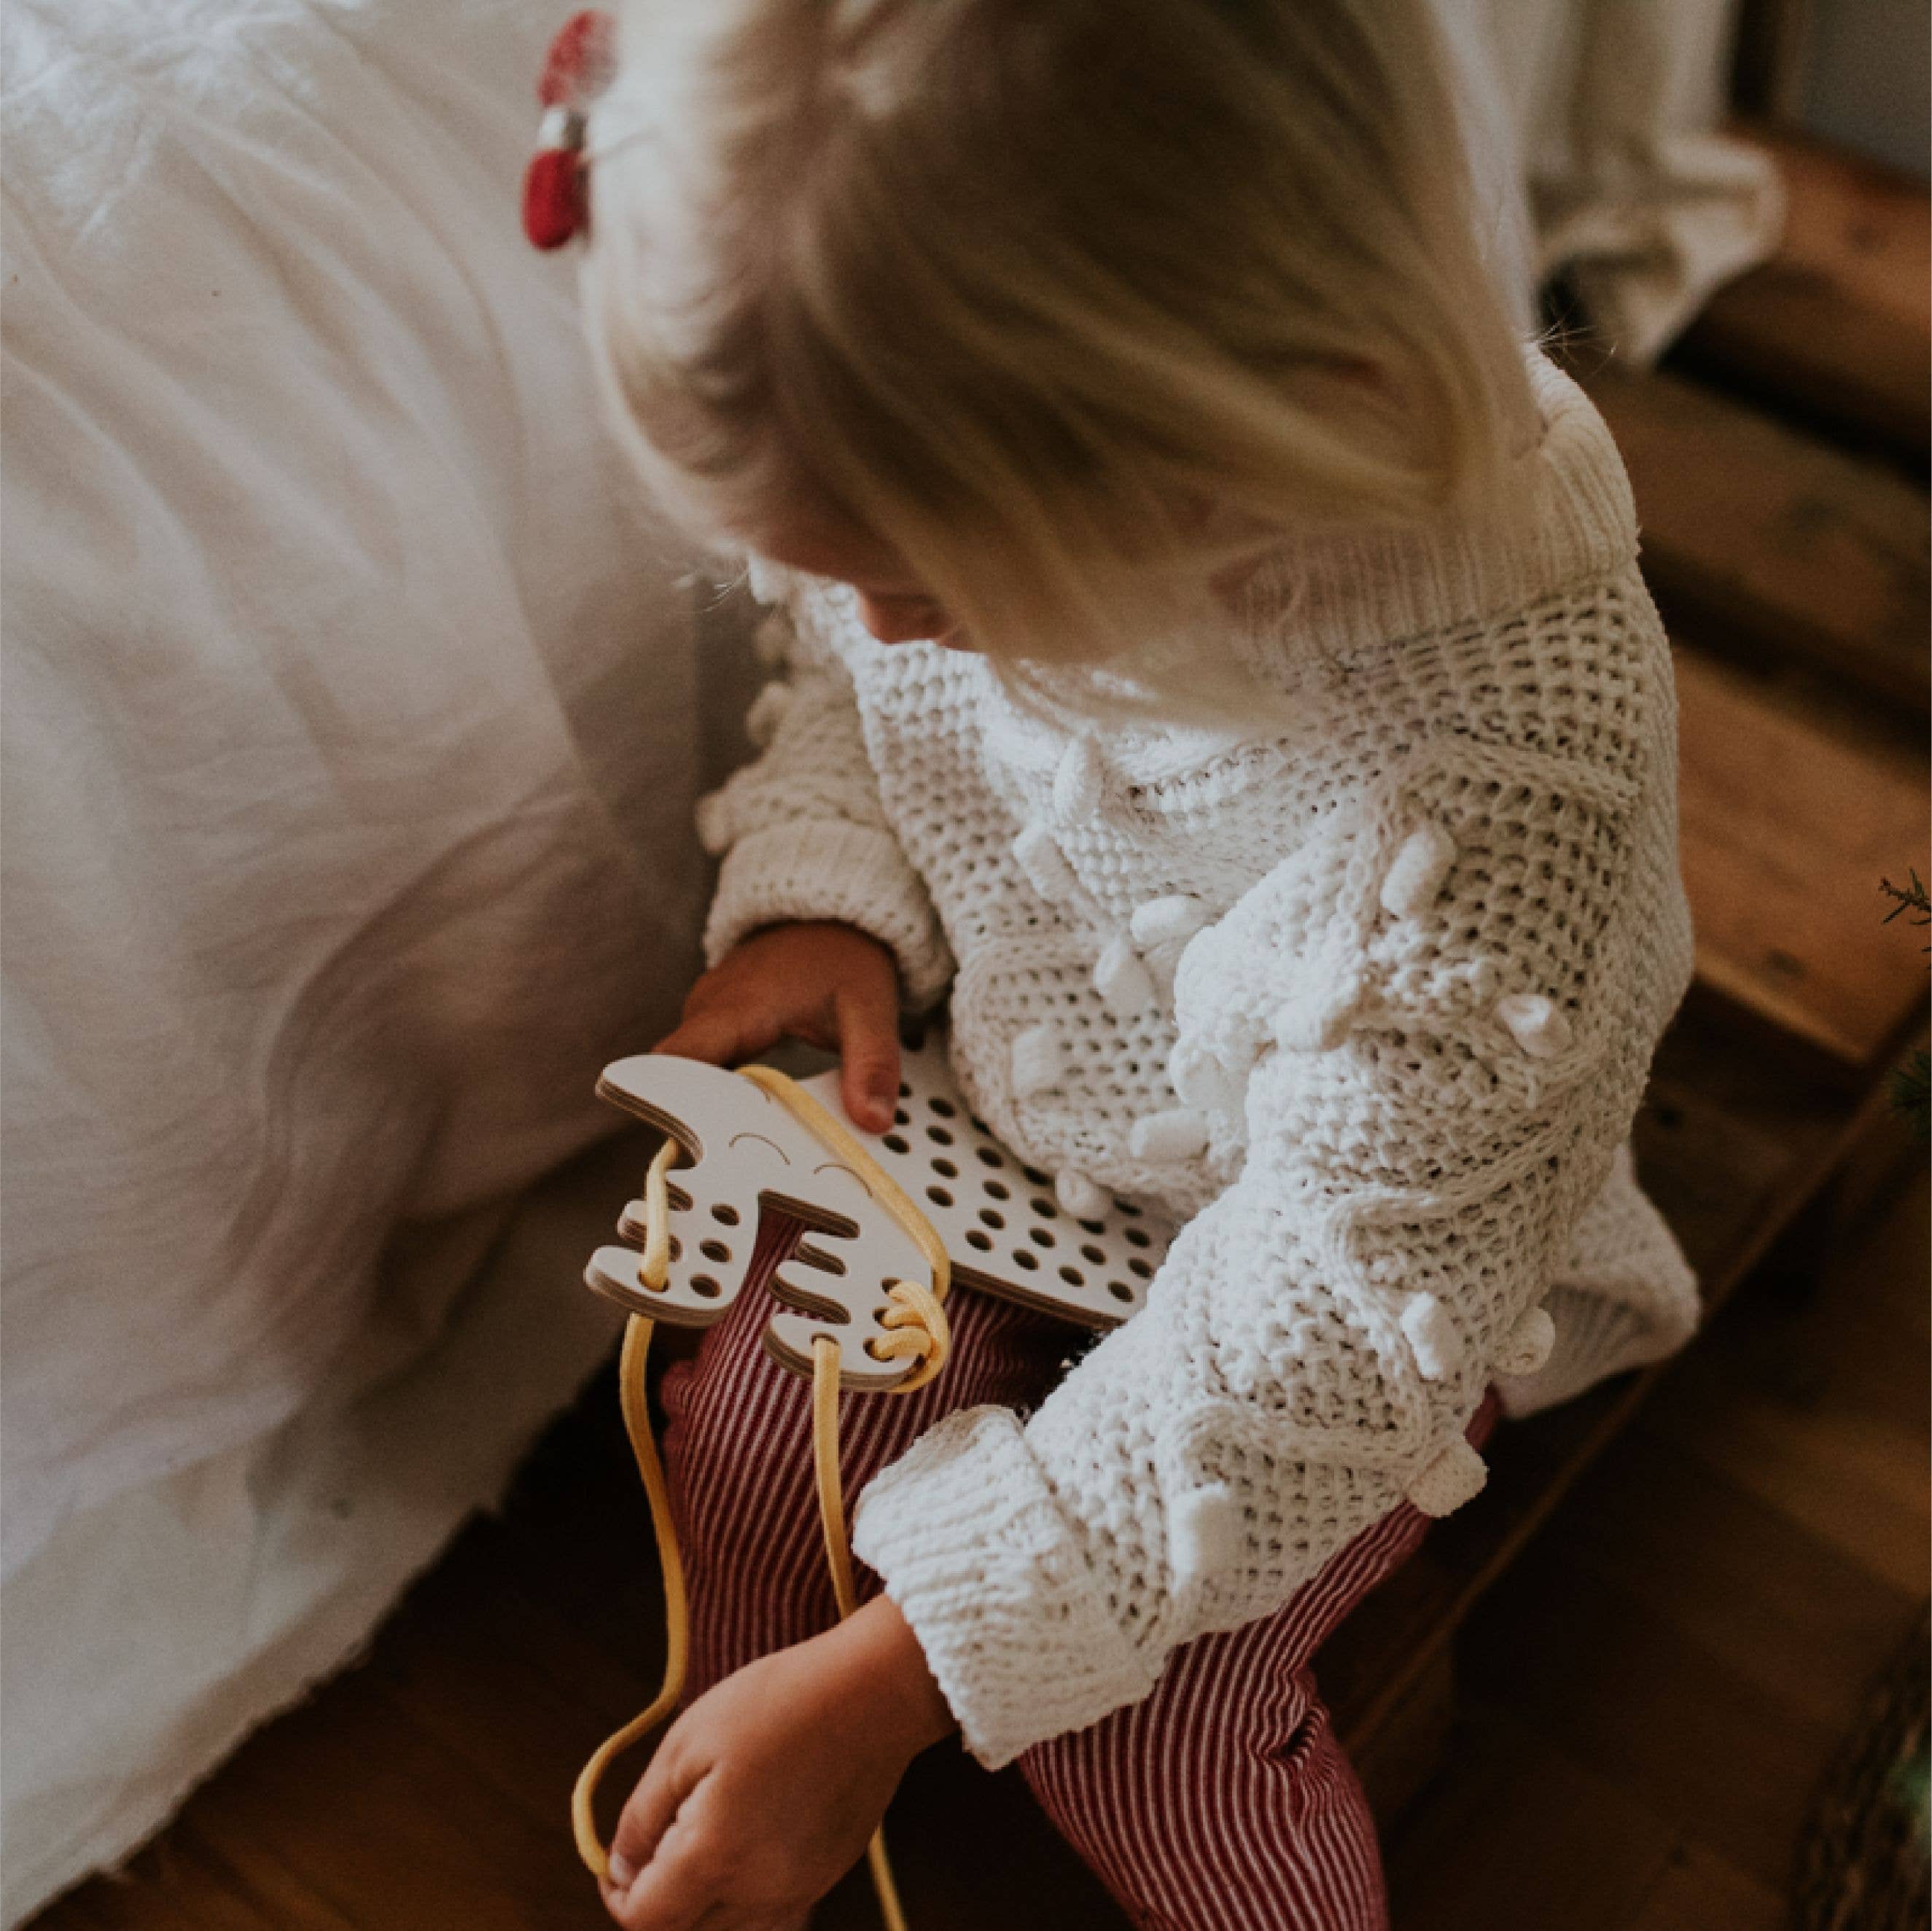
(832, 985)
(767, 1789)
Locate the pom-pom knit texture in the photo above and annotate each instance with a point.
(1368, 994)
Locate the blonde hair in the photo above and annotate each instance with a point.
(1069, 302)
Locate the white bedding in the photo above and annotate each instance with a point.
(351, 735)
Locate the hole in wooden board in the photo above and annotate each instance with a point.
(1127, 1207)
(676, 1247)
(905, 1091)
(1036, 1178)
(991, 1218)
(1094, 1255)
(989, 1156)
(725, 1216)
(982, 1242)
(998, 1190)
(1025, 1257)
(1137, 1236)
(714, 1250)
(1094, 1226)
(946, 1170)
(1073, 1277)
(939, 1196)
(944, 1108)
(1143, 1269)
(897, 1144)
(1120, 1291)
(1044, 1208)
(703, 1283)
(939, 1136)
(1040, 1236)
(901, 1117)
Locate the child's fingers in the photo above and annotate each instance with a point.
(867, 1016)
(649, 1813)
(680, 1889)
(724, 1035)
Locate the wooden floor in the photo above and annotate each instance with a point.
(1650, 1696)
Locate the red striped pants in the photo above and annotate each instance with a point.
(1222, 1802)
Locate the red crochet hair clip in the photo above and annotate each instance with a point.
(556, 188)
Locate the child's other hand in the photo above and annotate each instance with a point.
(830, 985)
(767, 1789)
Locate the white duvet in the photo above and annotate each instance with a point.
(350, 724)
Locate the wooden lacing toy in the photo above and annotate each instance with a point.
(883, 1226)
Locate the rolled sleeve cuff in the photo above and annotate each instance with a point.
(856, 874)
(995, 1582)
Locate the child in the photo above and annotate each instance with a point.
(1214, 659)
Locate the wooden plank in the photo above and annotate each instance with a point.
(1838, 324)
(180, 1883)
(1762, 543)
(1398, 1760)
(1574, 1684)
(1788, 823)
(388, 1826)
(1690, 1545)
(1817, 1404)
(1583, 1854)
(1700, 1891)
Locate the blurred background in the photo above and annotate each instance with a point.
(356, 708)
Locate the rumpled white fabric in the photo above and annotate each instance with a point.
(351, 738)
(1608, 113)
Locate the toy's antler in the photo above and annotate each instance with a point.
(746, 1152)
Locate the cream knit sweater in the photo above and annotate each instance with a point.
(1370, 998)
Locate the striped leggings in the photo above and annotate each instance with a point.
(1222, 1802)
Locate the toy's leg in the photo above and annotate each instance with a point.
(738, 1450)
(1223, 1801)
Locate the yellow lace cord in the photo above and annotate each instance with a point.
(916, 1328)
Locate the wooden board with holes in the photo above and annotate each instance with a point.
(748, 1163)
(1838, 324)
(1004, 1231)
(1789, 821)
(1760, 542)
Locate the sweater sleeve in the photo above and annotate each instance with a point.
(1435, 1019)
(801, 830)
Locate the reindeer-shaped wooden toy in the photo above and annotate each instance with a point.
(750, 1153)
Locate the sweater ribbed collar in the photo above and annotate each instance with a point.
(1340, 592)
